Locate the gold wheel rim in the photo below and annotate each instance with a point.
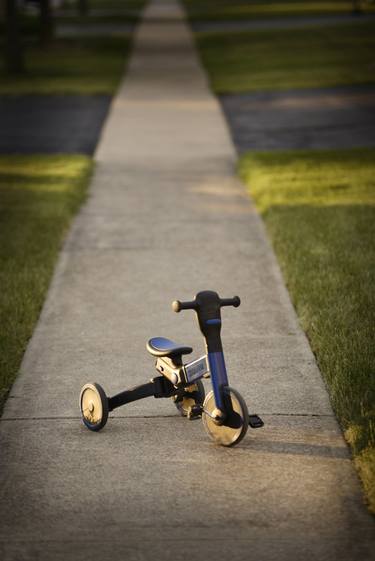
(226, 436)
(91, 405)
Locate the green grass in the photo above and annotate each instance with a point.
(114, 5)
(38, 197)
(123, 11)
(216, 10)
(319, 210)
(283, 59)
(89, 65)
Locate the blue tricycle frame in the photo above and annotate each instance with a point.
(223, 410)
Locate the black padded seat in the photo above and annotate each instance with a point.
(160, 346)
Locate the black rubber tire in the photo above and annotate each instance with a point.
(185, 404)
(100, 401)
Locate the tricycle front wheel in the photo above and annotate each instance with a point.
(221, 433)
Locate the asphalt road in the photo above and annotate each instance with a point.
(50, 124)
(341, 117)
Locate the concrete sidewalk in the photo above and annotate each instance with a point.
(166, 218)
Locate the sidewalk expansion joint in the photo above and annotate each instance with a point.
(108, 248)
(78, 418)
(318, 415)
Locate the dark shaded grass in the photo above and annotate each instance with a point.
(219, 10)
(103, 11)
(99, 11)
(87, 65)
(285, 59)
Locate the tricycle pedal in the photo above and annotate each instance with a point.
(255, 422)
(195, 412)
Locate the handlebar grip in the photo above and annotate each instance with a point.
(177, 306)
(235, 301)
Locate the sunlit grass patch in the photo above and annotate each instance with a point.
(319, 210)
(38, 197)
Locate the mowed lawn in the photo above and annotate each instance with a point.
(260, 9)
(319, 210)
(284, 59)
(86, 65)
(102, 11)
(38, 197)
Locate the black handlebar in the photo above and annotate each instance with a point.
(207, 306)
(177, 306)
(235, 301)
(199, 301)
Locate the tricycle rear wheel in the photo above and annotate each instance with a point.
(93, 403)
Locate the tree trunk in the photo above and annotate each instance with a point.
(2, 10)
(83, 7)
(13, 43)
(357, 8)
(46, 23)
